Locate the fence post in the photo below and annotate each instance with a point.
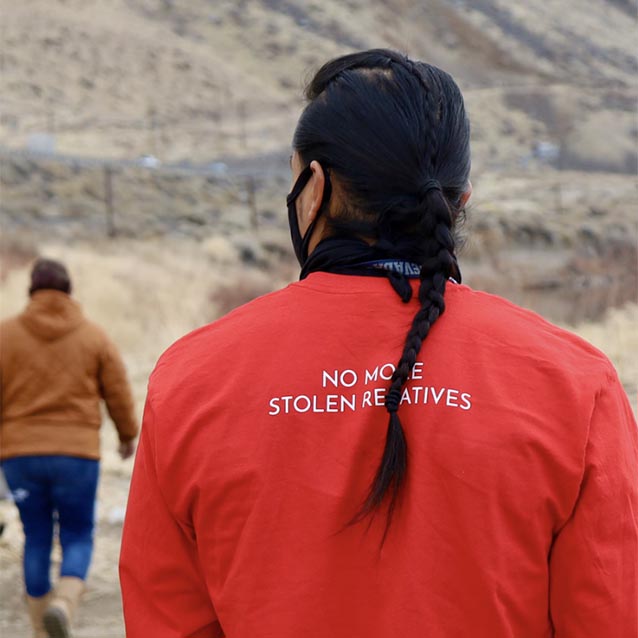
(251, 198)
(241, 112)
(108, 201)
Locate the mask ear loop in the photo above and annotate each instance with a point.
(325, 198)
(300, 184)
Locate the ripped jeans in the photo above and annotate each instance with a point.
(46, 489)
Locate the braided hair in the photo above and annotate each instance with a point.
(396, 138)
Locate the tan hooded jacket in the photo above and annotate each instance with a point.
(55, 366)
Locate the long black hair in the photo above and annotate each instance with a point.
(395, 137)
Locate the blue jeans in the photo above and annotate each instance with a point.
(44, 487)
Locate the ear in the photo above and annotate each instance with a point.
(465, 198)
(315, 189)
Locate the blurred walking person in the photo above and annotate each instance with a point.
(55, 367)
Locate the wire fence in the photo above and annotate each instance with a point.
(62, 194)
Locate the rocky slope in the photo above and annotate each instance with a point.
(193, 81)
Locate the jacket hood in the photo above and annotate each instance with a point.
(51, 314)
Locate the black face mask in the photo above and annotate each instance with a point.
(349, 255)
(299, 243)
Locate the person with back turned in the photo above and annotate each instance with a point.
(55, 368)
(377, 450)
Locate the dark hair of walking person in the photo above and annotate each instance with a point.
(392, 137)
(49, 274)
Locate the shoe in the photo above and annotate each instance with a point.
(59, 614)
(36, 607)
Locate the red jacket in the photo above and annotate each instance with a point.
(262, 431)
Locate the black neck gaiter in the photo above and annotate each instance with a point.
(352, 256)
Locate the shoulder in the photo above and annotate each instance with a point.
(250, 327)
(13, 326)
(521, 334)
(94, 330)
(10, 323)
(10, 329)
(93, 337)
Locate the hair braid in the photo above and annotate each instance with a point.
(435, 272)
(438, 260)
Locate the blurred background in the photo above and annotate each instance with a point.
(145, 144)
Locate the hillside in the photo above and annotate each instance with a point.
(198, 80)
